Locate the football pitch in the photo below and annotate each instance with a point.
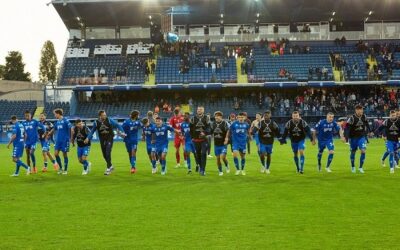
(283, 210)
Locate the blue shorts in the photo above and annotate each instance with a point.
(18, 151)
(239, 147)
(391, 146)
(45, 145)
(83, 151)
(62, 146)
(220, 150)
(266, 148)
(161, 149)
(30, 146)
(189, 147)
(151, 148)
(131, 146)
(358, 143)
(326, 144)
(296, 146)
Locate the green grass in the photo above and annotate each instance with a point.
(340, 210)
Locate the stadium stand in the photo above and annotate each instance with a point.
(50, 106)
(168, 71)
(104, 70)
(106, 61)
(310, 101)
(290, 67)
(9, 108)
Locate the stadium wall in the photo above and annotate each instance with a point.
(24, 95)
(10, 86)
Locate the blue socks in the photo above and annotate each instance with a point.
(58, 159)
(189, 163)
(163, 165)
(296, 161)
(385, 155)
(85, 164)
(133, 161)
(18, 164)
(243, 163)
(153, 163)
(263, 161)
(319, 159)
(268, 161)
(302, 159)
(236, 161)
(33, 158)
(352, 158)
(330, 158)
(65, 163)
(362, 159)
(391, 160)
(226, 163)
(219, 167)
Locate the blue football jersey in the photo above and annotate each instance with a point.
(162, 135)
(185, 129)
(131, 129)
(19, 132)
(63, 128)
(148, 132)
(239, 132)
(326, 130)
(31, 130)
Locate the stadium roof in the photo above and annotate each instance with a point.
(95, 13)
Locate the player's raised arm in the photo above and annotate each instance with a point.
(115, 125)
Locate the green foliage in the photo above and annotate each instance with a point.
(48, 63)
(2, 71)
(15, 68)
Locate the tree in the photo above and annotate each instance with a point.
(15, 68)
(1, 71)
(48, 63)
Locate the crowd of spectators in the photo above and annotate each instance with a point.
(376, 100)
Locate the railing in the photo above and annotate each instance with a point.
(321, 31)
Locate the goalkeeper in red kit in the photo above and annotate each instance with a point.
(175, 122)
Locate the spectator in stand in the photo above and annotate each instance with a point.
(325, 73)
(96, 72)
(165, 107)
(282, 73)
(206, 63)
(102, 72)
(355, 69)
(213, 67)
